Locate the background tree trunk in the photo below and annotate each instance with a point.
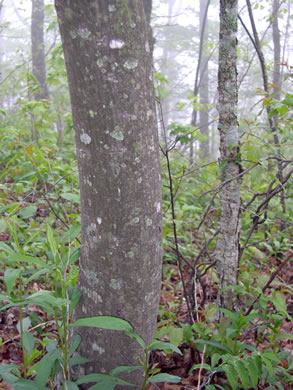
(109, 67)
(38, 49)
(228, 243)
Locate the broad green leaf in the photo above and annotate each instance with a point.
(120, 369)
(242, 372)
(215, 359)
(52, 242)
(5, 373)
(164, 378)
(213, 344)
(199, 365)
(69, 385)
(72, 276)
(231, 375)
(71, 234)
(134, 336)
(45, 366)
(74, 295)
(104, 322)
(74, 343)
(7, 248)
(28, 212)
(28, 260)
(162, 346)
(78, 360)
(252, 369)
(71, 197)
(26, 323)
(175, 335)
(279, 302)
(29, 342)
(26, 384)
(102, 378)
(10, 277)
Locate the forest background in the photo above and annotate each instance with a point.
(252, 345)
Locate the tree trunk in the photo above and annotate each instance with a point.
(204, 82)
(38, 46)
(109, 66)
(228, 243)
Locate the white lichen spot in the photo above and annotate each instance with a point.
(116, 44)
(133, 117)
(92, 114)
(93, 276)
(135, 220)
(158, 207)
(130, 65)
(111, 8)
(132, 25)
(106, 146)
(115, 284)
(73, 34)
(97, 348)
(123, 165)
(99, 220)
(149, 222)
(137, 160)
(125, 96)
(85, 138)
(91, 229)
(117, 134)
(149, 113)
(139, 180)
(100, 62)
(130, 254)
(147, 47)
(83, 32)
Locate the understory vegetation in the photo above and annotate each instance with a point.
(40, 224)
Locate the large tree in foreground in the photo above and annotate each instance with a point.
(109, 66)
(228, 243)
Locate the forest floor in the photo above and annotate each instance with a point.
(171, 301)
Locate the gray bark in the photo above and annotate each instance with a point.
(38, 49)
(228, 243)
(109, 66)
(204, 82)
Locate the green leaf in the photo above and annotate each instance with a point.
(71, 234)
(162, 346)
(28, 212)
(26, 384)
(175, 335)
(104, 322)
(104, 378)
(5, 373)
(26, 323)
(10, 277)
(68, 385)
(215, 359)
(231, 375)
(7, 248)
(242, 372)
(134, 336)
(74, 343)
(252, 369)
(279, 302)
(164, 378)
(78, 360)
(29, 342)
(52, 242)
(45, 365)
(199, 365)
(74, 295)
(214, 344)
(28, 260)
(120, 369)
(74, 198)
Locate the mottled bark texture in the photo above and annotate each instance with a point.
(109, 66)
(38, 49)
(228, 243)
